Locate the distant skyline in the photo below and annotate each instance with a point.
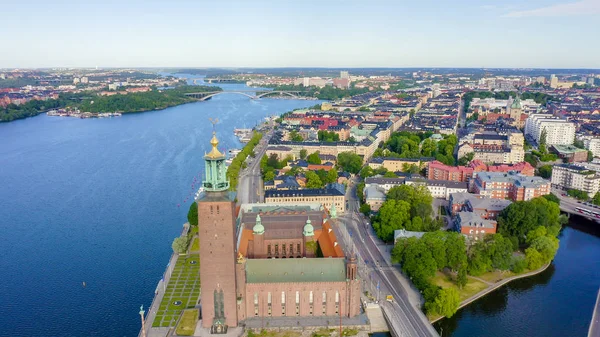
(352, 34)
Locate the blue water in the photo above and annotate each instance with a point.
(96, 201)
(556, 302)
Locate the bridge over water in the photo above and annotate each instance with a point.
(252, 94)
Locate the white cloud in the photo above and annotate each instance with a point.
(584, 7)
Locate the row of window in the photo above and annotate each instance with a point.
(285, 250)
(283, 304)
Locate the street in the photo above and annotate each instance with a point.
(407, 318)
(250, 186)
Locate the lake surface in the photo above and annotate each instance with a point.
(96, 201)
(556, 302)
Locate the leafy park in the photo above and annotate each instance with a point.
(406, 207)
(447, 269)
(406, 144)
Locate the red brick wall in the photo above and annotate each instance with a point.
(217, 255)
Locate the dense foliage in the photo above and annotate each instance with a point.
(523, 216)
(328, 136)
(143, 101)
(192, 215)
(406, 207)
(349, 162)
(415, 145)
(90, 102)
(239, 161)
(326, 93)
(533, 225)
(421, 258)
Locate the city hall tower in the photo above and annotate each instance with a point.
(216, 233)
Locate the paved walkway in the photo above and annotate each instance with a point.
(158, 296)
(481, 280)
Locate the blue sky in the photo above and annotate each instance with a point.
(284, 33)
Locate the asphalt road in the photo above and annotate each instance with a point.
(412, 321)
(250, 185)
(568, 204)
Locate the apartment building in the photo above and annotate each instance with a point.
(327, 197)
(558, 131)
(439, 188)
(510, 185)
(579, 177)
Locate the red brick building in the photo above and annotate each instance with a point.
(269, 260)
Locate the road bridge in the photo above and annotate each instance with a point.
(252, 94)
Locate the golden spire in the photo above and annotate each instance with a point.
(214, 153)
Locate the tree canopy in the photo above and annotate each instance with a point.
(349, 162)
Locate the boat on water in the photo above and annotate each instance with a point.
(231, 154)
(244, 135)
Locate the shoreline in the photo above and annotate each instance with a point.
(493, 287)
(121, 112)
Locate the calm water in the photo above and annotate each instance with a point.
(557, 302)
(95, 201)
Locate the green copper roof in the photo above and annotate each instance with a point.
(516, 104)
(295, 270)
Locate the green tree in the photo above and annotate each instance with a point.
(436, 242)
(349, 162)
(295, 136)
(303, 154)
(500, 251)
(534, 258)
(447, 302)
(393, 215)
(360, 187)
(535, 233)
(366, 172)
(332, 176)
(269, 175)
(522, 216)
(180, 244)
(577, 194)
(390, 174)
(590, 156)
(461, 277)
(596, 199)
(466, 159)
(313, 180)
(546, 246)
(418, 261)
(313, 158)
(543, 147)
(479, 260)
(455, 250)
(545, 171)
(551, 197)
(518, 265)
(365, 209)
(192, 215)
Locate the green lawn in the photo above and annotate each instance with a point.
(195, 245)
(187, 323)
(184, 286)
(471, 288)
